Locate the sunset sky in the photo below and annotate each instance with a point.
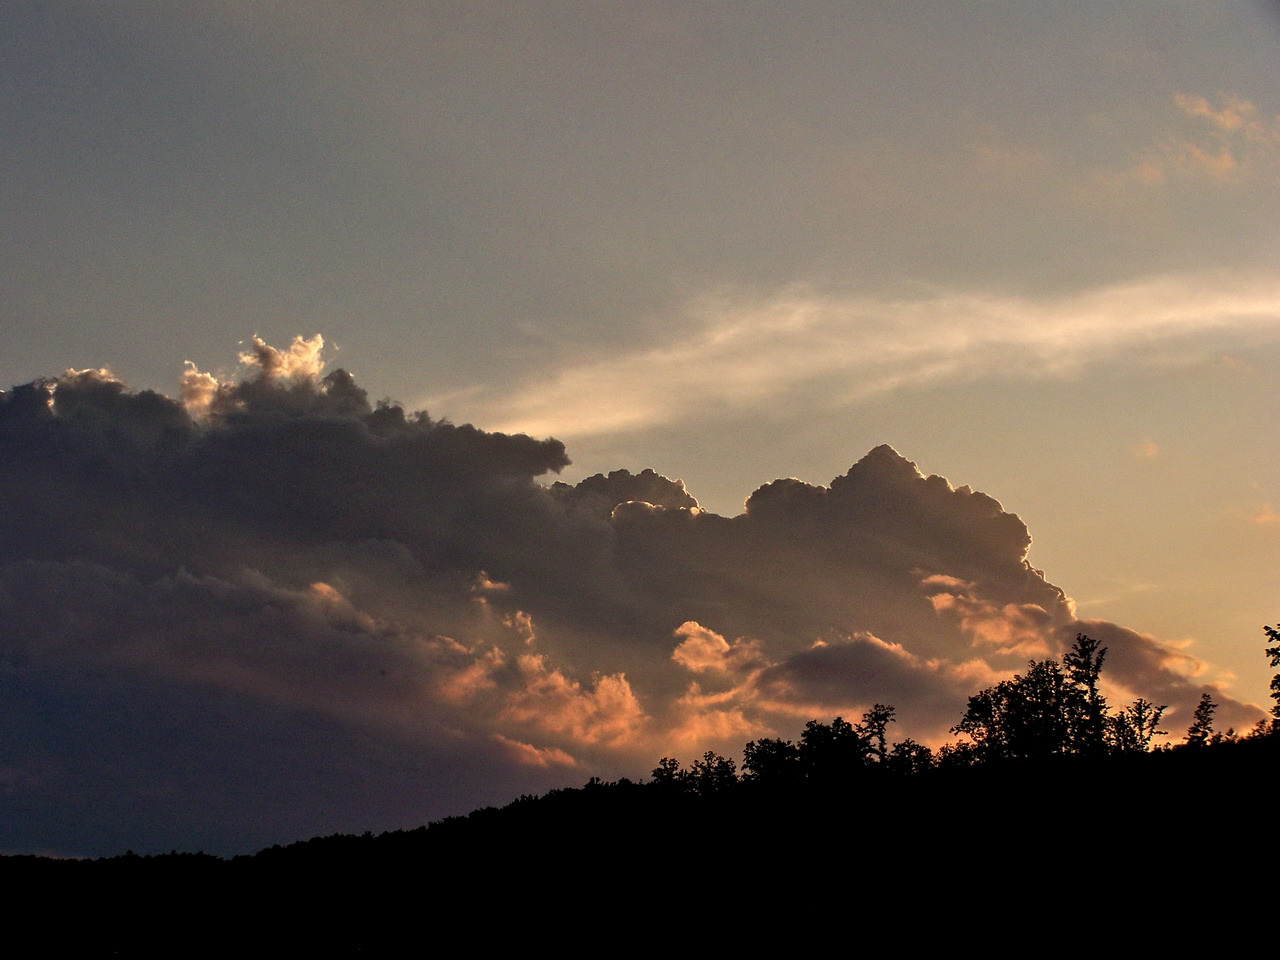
(1028, 248)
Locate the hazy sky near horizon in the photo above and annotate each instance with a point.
(1033, 247)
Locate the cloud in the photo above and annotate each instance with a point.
(545, 699)
(849, 675)
(1141, 665)
(1227, 141)
(600, 494)
(1266, 517)
(287, 611)
(705, 651)
(527, 753)
(1009, 628)
(739, 349)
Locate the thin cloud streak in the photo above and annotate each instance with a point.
(750, 349)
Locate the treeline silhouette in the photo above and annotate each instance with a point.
(1050, 795)
(1053, 710)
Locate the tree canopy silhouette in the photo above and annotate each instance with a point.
(1054, 709)
(1273, 655)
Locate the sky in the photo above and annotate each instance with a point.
(787, 264)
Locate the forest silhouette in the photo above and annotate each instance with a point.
(1050, 795)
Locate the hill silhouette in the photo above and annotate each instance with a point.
(1137, 830)
(834, 834)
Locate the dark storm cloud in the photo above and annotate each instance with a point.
(392, 606)
(282, 456)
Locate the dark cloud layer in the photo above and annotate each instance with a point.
(271, 609)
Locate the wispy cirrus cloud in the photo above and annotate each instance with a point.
(745, 348)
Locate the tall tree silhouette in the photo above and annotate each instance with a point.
(1089, 722)
(1273, 654)
(874, 727)
(1201, 722)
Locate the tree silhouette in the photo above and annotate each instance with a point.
(832, 752)
(1051, 710)
(908, 757)
(771, 762)
(668, 775)
(1201, 722)
(1133, 728)
(829, 753)
(1027, 717)
(874, 728)
(1089, 724)
(1273, 654)
(713, 774)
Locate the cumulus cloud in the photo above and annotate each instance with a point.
(705, 651)
(269, 601)
(1009, 628)
(545, 699)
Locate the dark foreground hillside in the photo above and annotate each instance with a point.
(1145, 845)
